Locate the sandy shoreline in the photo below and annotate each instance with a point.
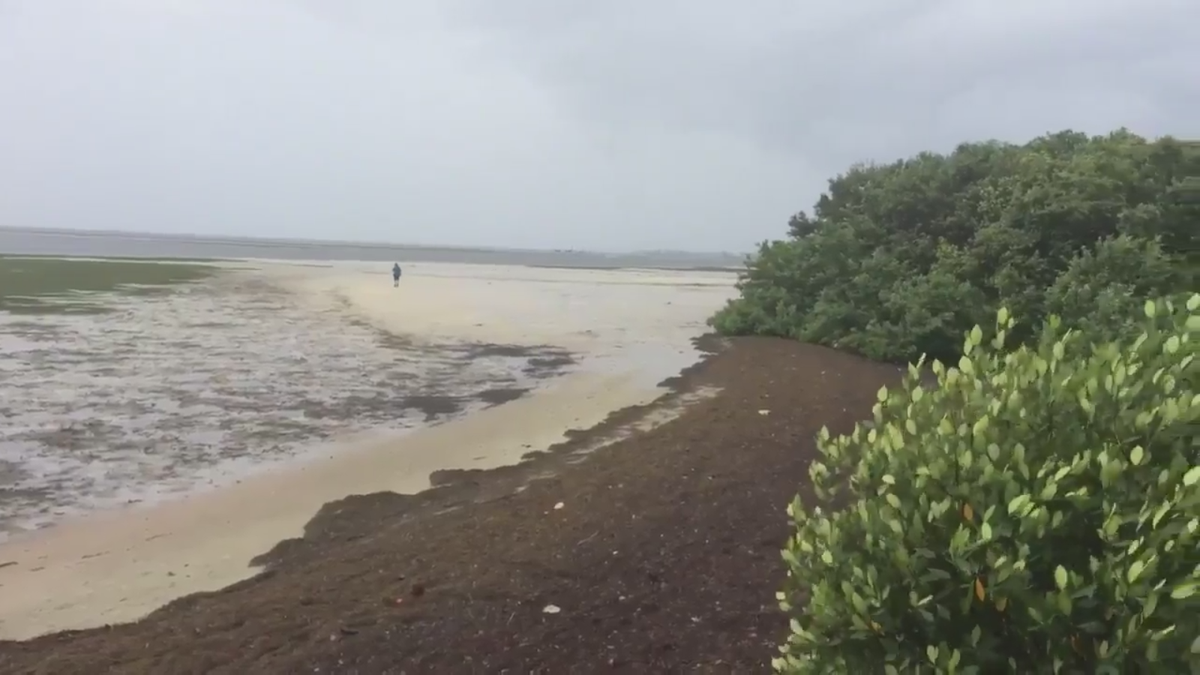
(630, 329)
(163, 395)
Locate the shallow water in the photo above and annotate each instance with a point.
(169, 393)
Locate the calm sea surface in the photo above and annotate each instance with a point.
(118, 244)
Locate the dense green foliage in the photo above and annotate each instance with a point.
(899, 260)
(1035, 512)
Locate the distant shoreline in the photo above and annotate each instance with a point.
(699, 268)
(116, 258)
(207, 261)
(116, 244)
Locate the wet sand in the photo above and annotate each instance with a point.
(144, 398)
(626, 330)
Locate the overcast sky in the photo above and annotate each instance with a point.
(697, 124)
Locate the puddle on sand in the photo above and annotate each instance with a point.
(199, 387)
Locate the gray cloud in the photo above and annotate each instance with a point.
(837, 81)
(556, 123)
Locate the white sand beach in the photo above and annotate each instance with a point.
(629, 329)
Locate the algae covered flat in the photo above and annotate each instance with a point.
(45, 285)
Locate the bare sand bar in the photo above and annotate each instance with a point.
(630, 328)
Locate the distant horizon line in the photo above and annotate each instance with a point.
(270, 241)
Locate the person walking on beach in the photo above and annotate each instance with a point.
(396, 275)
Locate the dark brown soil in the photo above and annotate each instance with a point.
(664, 557)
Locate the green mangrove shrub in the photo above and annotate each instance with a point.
(899, 259)
(1035, 512)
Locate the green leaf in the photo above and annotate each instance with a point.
(1192, 476)
(1048, 491)
(858, 603)
(1185, 590)
(1150, 606)
(1136, 455)
(1134, 571)
(985, 532)
(1171, 345)
(945, 428)
(1063, 602)
(1060, 577)
(1149, 308)
(1017, 503)
(980, 426)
